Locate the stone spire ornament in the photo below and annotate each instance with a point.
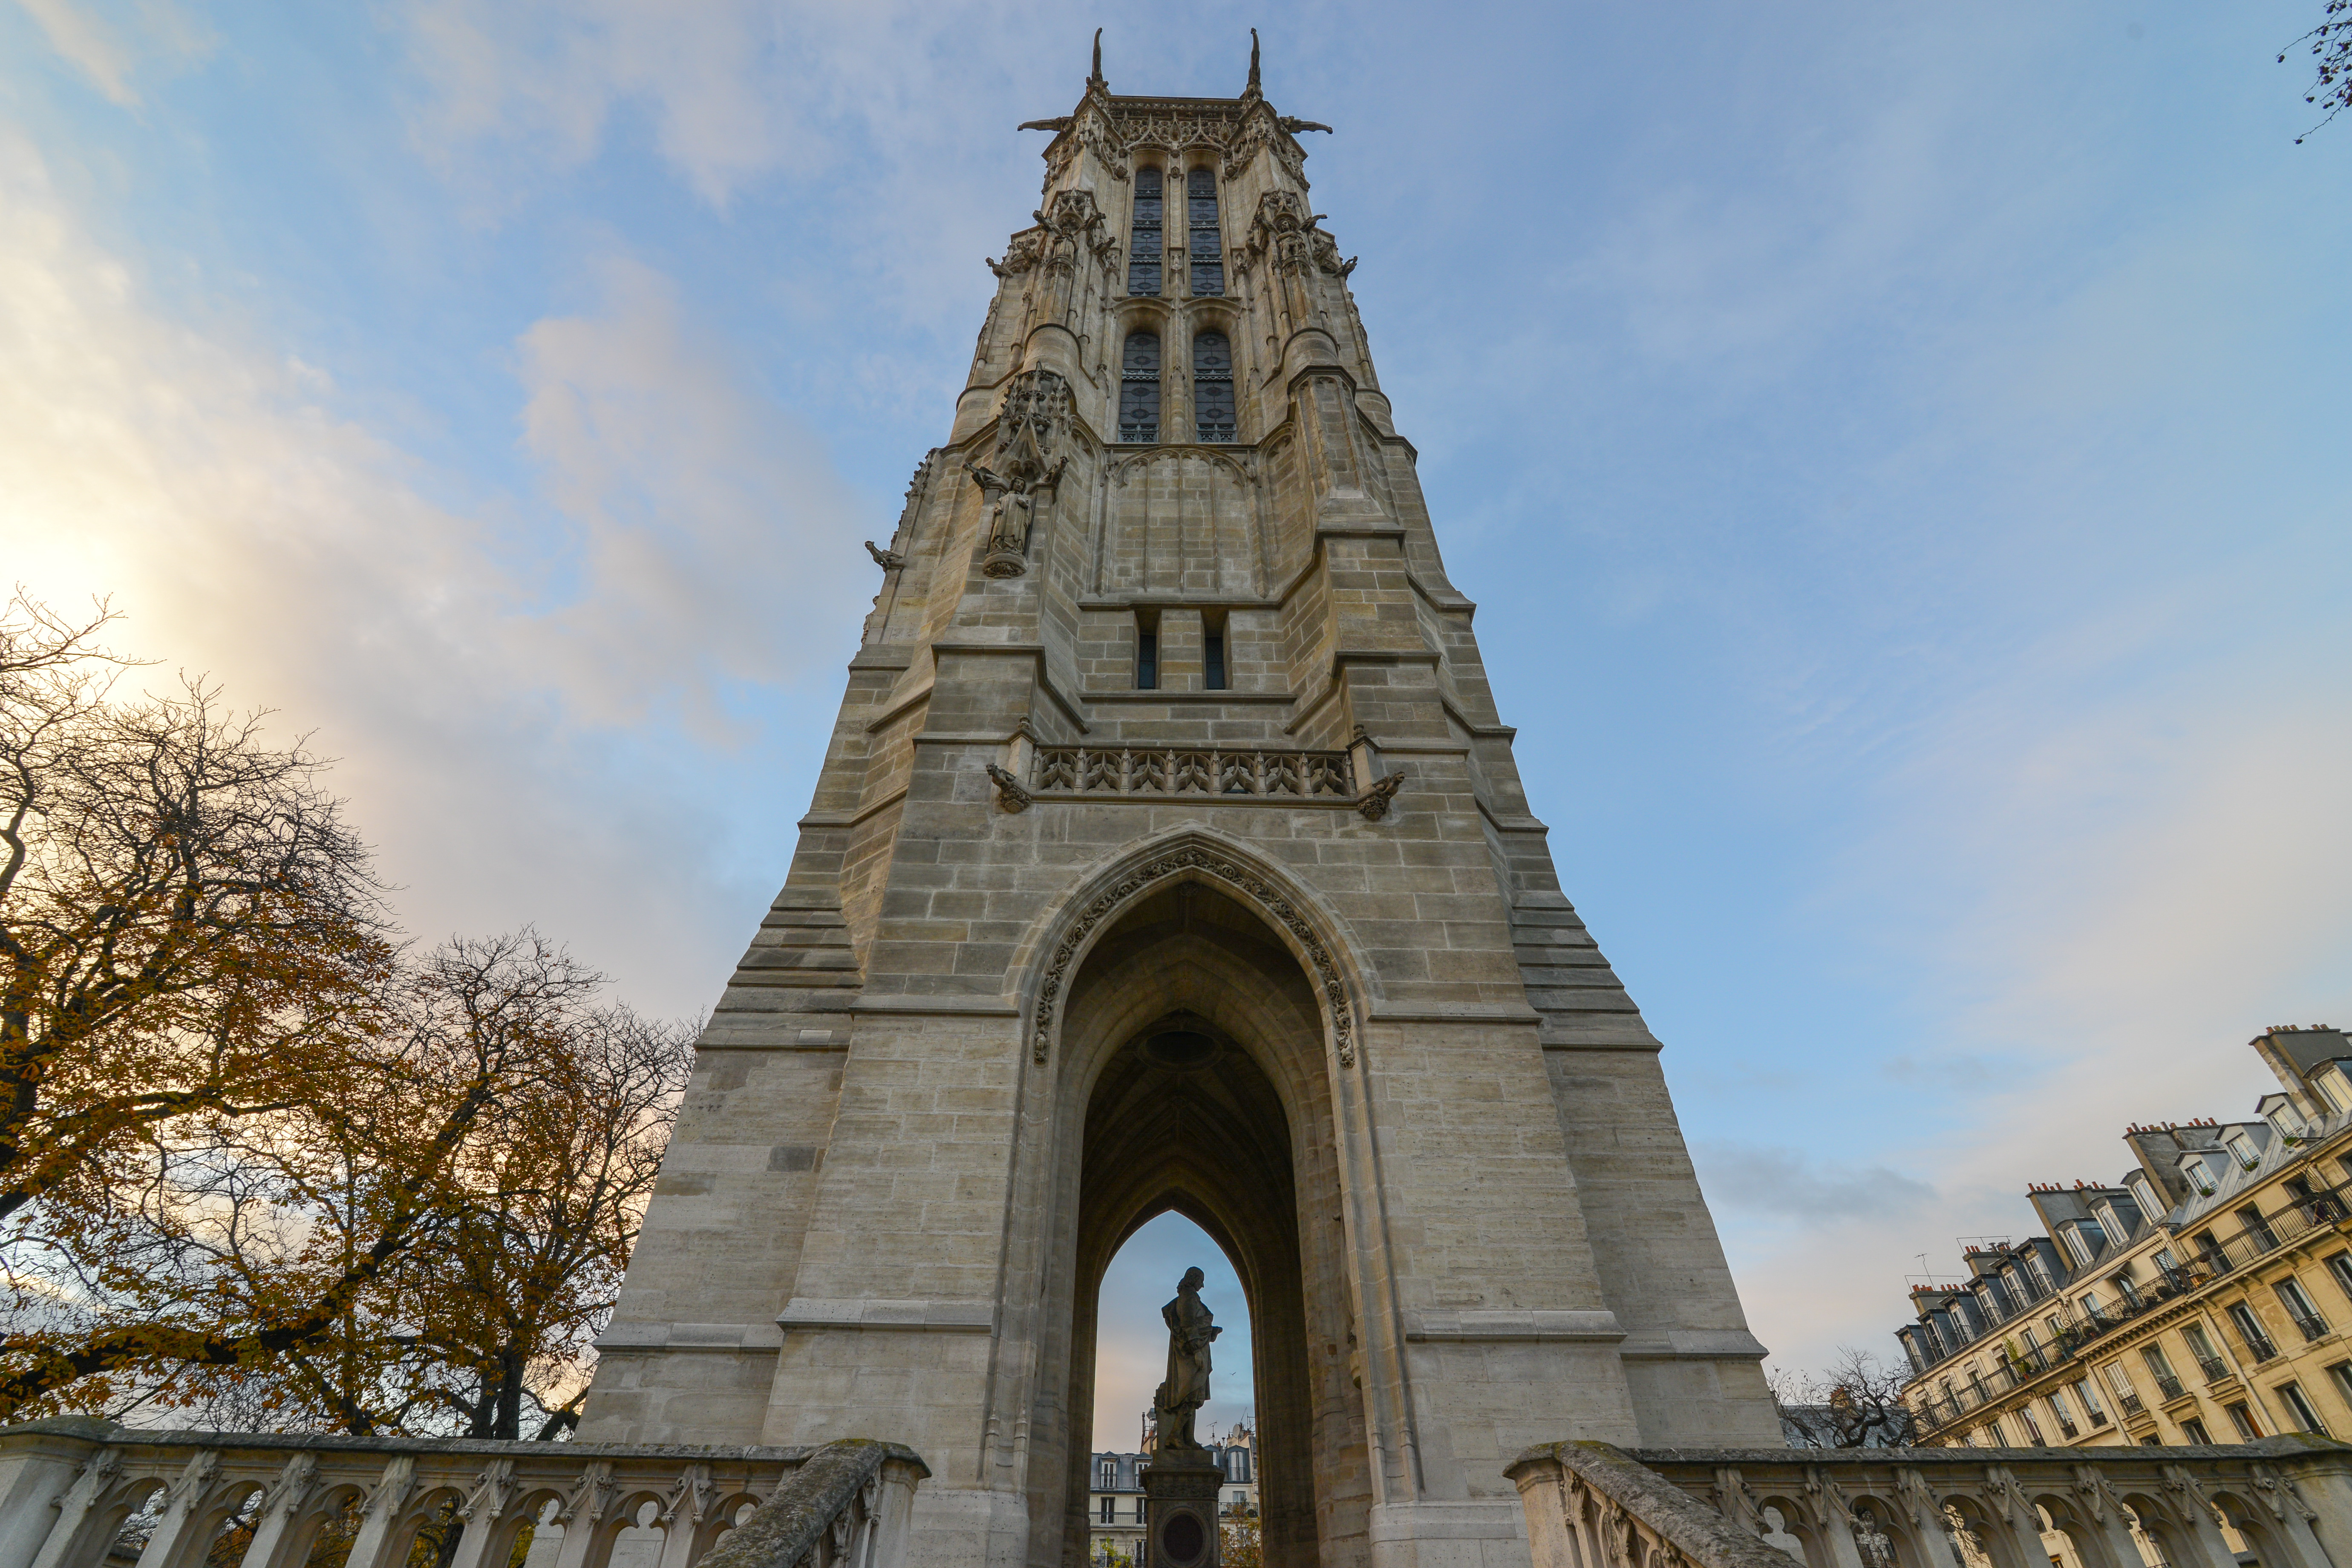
(1254, 90)
(1095, 79)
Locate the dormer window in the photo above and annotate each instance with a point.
(2111, 1221)
(2085, 1239)
(2329, 1080)
(2143, 1192)
(2243, 1146)
(2201, 1175)
(2287, 1119)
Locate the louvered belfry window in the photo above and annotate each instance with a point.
(1139, 388)
(1212, 386)
(1207, 250)
(1143, 253)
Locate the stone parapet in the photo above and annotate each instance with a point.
(2285, 1501)
(77, 1492)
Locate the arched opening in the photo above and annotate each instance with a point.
(1131, 1362)
(1197, 1048)
(1130, 1340)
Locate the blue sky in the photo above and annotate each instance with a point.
(1898, 453)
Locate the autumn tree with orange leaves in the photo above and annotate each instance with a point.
(256, 1156)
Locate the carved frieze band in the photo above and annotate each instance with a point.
(1083, 770)
(1263, 893)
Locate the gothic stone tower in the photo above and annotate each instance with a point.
(1168, 854)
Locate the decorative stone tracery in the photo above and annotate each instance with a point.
(1194, 858)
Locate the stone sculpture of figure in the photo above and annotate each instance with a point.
(1189, 1330)
(1012, 507)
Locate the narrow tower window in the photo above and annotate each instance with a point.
(1212, 386)
(1147, 651)
(1213, 679)
(1207, 250)
(1143, 252)
(1139, 388)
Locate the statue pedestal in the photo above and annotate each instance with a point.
(1180, 1493)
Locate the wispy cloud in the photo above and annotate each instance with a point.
(478, 664)
(1787, 1183)
(110, 43)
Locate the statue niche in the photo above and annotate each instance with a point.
(1019, 479)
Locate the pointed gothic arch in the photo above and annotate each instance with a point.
(1251, 1141)
(1311, 929)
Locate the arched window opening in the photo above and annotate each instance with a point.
(1143, 251)
(1205, 248)
(1139, 388)
(1212, 387)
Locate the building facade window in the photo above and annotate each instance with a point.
(1110, 1510)
(2089, 1396)
(2300, 1308)
(2200, 1345)
(1212, 387)
(2119, 1383)
(2258, 1228)
(1213, 677)
(2298, 1408)
(2159, 1367)
(2194, 1430)
(1139, 388)
(1143, 250)
(2249, 1330)
(1202, 242)
(2341, 1373)
(2242, 1417)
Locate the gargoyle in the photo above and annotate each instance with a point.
(1059, 123)
(888, 559)
(1009, 793)
(1293, 125)
(1374, 802)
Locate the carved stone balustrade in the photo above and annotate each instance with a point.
(2287, 1501)
(78, 1493)
(1285, 775)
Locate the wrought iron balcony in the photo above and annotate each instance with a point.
(2213, 1368)
(2169, 1387)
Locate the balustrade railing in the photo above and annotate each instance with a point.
(2286, 1501)
(82, 1493)
(1149, 770)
